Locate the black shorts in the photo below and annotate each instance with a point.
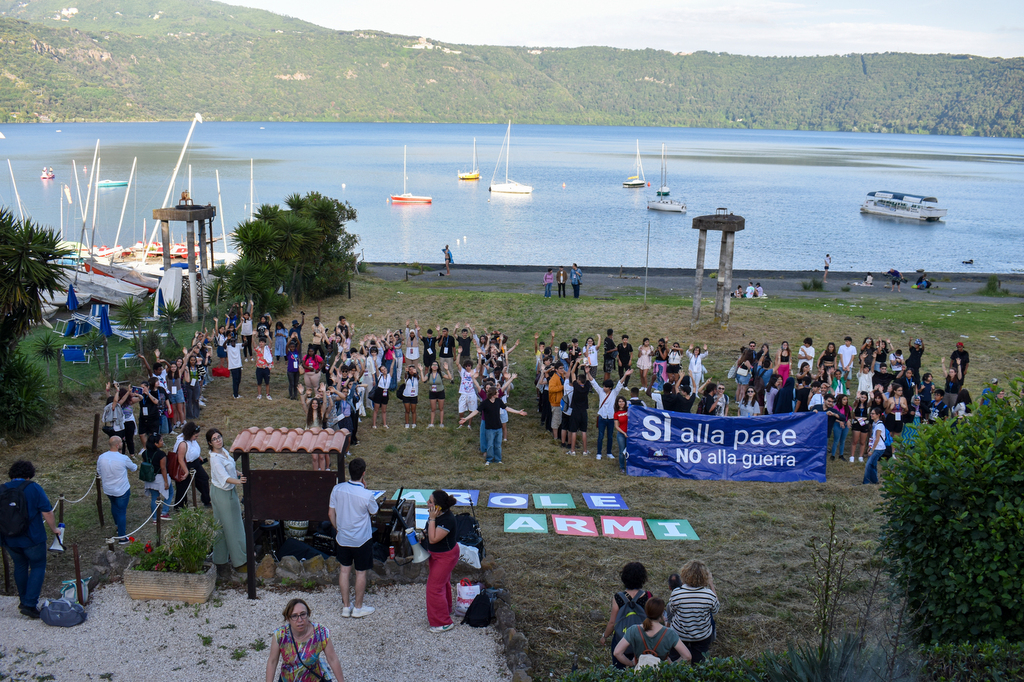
(262, 376)
(436, 395)
(361, 556)
(345, 423)
(672, 369)
(609, 363)
(380, 396)
(410, 400)
(578, 422)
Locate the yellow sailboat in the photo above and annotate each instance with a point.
(475, 173)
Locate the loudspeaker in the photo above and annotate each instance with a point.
(419, 554)
(58, 540)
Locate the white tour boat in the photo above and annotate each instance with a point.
(897, 205)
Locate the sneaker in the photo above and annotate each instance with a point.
(851, 459)
(385, 426)
(362, 611)
(123, 541)
(832, 458)
(346, 612)
(165, 517)
(268, 397)
(586, 453)
(430, 426)
(259, 396)
(414, 426)
(443, 628)
(33, 612)
(598, 458)
(406, 426)
(860, 459)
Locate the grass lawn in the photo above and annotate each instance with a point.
(754, 536)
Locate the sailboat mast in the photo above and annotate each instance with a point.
(508, 147)
(405, 159)
(124, 206)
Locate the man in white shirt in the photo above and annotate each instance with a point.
(847, 352)
(234, 364)
(606, 409)
(351, 507)
(112, 467)
(806, 354)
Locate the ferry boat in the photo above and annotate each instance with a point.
(897, 205)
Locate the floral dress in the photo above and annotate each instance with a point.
(312, 652)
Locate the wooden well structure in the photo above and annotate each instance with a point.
(728, 224)
(192, 216)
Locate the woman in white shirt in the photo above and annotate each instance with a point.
(230, 545)
(590, 352)
(186, 449)
(380, 395)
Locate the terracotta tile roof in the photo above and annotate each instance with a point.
(288, 440)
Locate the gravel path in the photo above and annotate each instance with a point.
(150, 640)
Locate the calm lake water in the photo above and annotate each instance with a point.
(799, 191)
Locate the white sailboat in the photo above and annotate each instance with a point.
(473, 174)
(663, 203)
(638, 180)
(405, 197)
(509, 186)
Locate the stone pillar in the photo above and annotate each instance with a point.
(721, 292)
(190, 242)
(698, 284)
(728, 246)
(203, 269)
(165, 239)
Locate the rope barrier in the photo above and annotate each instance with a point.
(91, 486)
(160, 505)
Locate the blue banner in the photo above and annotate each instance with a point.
(774, 448)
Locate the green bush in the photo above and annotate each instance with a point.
(954, 513)
(813, 284)
(993, 287)
(191, 538)
(709, 670)
(978, 662)
(23, 406)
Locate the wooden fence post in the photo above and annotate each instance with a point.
(99, 499)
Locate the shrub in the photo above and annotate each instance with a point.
(23, 406)
(709, 670)
(953, 517)
(993, 288)
(191, 537)
(813, 284)
(977, 662)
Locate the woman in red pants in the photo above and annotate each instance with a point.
(444, 554)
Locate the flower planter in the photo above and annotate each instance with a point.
(193, 588)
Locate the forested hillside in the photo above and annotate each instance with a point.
(139, 60)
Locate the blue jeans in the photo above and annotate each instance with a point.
(547, 290)
(839, 439)
(119, 510)
(603, 426)
(493, 437)
(871, 468)
(29, 571)
(483, 435)
(154, 499)
(575, 290)
(621, 438)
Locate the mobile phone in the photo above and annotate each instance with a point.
(137, 390)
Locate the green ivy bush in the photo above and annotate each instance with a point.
(953, 535)
(709, 670)
(973, 662)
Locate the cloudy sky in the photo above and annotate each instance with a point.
(991, 28)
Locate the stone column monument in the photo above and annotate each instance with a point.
(728, 224)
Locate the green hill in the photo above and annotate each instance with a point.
(115, 61)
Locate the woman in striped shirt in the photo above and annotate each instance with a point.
(691, 609)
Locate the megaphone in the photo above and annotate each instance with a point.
(419, 554)
(58, 540)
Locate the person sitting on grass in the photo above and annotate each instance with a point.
(650, 638)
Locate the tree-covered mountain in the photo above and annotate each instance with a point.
(142, 60)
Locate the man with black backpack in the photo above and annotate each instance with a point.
(23, 508)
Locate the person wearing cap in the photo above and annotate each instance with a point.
(28, 549)
(319, 334)
(296, 330)
(960, 357)
(914, 355)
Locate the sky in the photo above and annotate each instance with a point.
(990, 28)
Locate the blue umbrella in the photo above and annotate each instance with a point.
(72, 299)
(105, 327)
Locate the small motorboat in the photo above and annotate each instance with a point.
(106, 184)
(47, 174)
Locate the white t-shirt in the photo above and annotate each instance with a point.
(234, 356)
(352, 504)
(878, 436)
(247, 327)
(112, 468)
(805, 354)
(847, 353)
(592, 356)
(466, 383)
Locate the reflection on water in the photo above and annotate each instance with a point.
(799, 192)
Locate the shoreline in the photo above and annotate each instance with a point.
(609, 281)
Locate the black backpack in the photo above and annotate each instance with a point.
(480, 611)
(630, 614)
(467, 531)
(14, 518)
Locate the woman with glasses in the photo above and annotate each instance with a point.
(303, 648)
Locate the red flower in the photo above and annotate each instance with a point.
(131, 538)
(149, 548)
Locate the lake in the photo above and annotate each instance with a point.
(799, 192)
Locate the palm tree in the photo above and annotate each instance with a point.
(133, 314)
(172, 313)
(49, 349)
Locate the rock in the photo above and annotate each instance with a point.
(521, 676)
(518, 661)
(282, 574)
(414, 572)
(597, 615)
(266, 569)
(372, 577)
(495, 577)
(290, 564)
(378, 567)
(333, 567)
(315, 565)
(506, 617)
(514, 641)
(487, 564)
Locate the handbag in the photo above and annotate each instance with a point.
(732, 373)
(741, 372)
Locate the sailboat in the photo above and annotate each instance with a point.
(509, 186)
(405, 197)
(638, 180)
(664, 203)
(475, 173)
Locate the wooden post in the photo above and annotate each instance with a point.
(78, 575)
(95, 434)
(195, 502)
(721, 293)
(193, 293)
(350, 291)
(250, 550)
(60, 510)
(728, 246)
(203, 269)
(165, 239)
(698, 283)
(159, 513)
(99, 499)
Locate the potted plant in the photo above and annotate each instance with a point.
(176, 570)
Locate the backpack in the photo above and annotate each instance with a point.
(888, 438)
(14, 518)
(480, 612)
(630, 614)
(147, 472)
(467, 531)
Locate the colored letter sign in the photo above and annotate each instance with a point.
(631, 528)
(526, 523)
(508, 501)
(420, 496)
(464, 498)
(672, 529)
(541, 501)
(774, 448)
(574, 525)
(604, 501)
